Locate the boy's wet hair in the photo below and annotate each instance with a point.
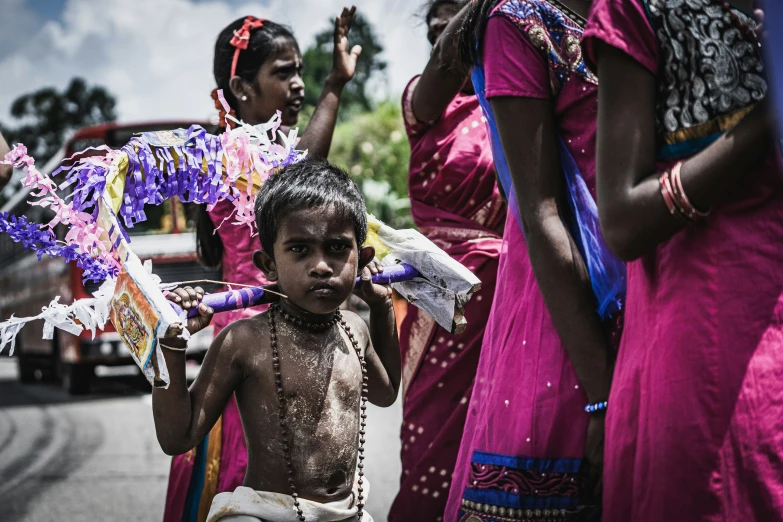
(304, 185)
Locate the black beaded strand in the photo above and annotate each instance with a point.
(363, 416)
(282, 402)
(308, 325)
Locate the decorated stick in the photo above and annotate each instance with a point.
(254, 296)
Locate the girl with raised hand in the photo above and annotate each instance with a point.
(258, 66)
(690, 192)
(533, 441)
(454, 202)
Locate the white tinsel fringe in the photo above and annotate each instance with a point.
(91, 314)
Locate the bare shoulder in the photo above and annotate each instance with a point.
(357, 326)
(244, 338)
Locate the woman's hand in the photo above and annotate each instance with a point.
(187, 298)
(344, 61)
(369, 292)
(594, 449)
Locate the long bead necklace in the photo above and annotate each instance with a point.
(320, 326)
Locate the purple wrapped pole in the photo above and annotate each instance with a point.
(247, 297)
(230, 300)
(393, 274)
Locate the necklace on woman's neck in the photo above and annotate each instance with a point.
(281, 401)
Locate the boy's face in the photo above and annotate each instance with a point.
(316, 259)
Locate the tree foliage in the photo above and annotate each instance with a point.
(373, 148)
(318, 62)
(48, 117)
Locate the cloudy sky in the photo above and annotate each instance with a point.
(155, 56)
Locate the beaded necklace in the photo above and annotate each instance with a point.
(316, 326)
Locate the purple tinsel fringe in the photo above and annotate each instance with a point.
(36, 237)
(164, 177)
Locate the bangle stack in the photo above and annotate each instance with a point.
(595, 408)
(676, 201)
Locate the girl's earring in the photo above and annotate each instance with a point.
(244, 98)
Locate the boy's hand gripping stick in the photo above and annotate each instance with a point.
(254, 296)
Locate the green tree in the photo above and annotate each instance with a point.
(372, 147)
(318, 62)
(48, 117)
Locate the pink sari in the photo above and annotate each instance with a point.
(694, 428)
(218, 464)
(522, 451)
(455, 202)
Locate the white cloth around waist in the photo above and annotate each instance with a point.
(248, 505)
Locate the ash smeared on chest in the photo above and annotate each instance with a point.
(322, 384)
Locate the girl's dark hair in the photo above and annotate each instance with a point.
(304, 185)
(472, 34)
(263, 42)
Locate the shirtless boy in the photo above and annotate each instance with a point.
(301, 353)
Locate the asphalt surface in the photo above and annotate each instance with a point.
(95, 457)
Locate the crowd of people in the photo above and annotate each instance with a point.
(610, 171)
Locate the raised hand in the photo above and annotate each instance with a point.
(344, 60)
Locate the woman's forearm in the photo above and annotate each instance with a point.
(634, 215)
(443, 77)
(317, 138)
(564, 282)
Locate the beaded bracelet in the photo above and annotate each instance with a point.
(598, 406)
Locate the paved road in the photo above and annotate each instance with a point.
(95, 458)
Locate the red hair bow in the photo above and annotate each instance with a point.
(242, 38)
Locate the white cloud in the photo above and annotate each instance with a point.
(156, 55)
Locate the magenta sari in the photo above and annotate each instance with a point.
(218, 464)
(455, 202)
(522, 451)
(694, 428)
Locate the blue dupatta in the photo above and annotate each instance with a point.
(606, 271)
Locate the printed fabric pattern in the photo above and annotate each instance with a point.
(554, 34)
(711, 74)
